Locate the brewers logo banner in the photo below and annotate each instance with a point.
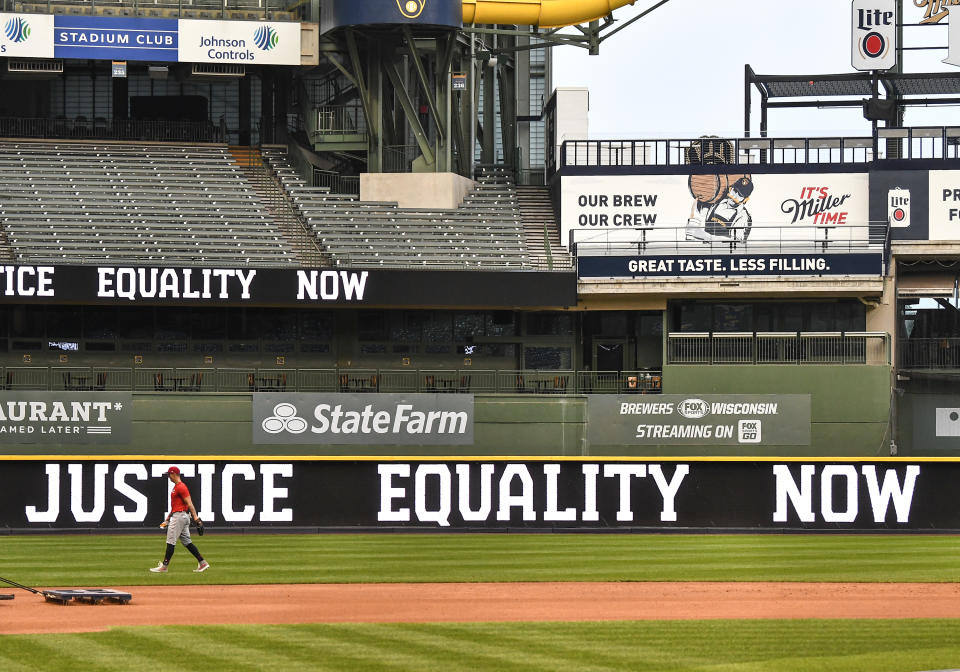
(340, 13)
(874, 34)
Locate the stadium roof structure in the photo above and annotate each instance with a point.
(849, 90)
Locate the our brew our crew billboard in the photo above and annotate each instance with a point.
(454, 494)
(736, 209)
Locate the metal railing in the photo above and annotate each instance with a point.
(83, 128)
(697, 238)
(928, 353)
(222, 9)
(188, 379)
(920, 142)
(926, 142)
(340, 120)
(713, 151)
(779, 348)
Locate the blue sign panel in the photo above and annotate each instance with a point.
(339, 13)
(105, 38)
(867, 263)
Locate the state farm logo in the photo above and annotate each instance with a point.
(284, 419)
(693, 409)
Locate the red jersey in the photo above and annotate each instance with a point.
(178, 497)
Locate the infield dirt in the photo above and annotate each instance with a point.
(479, 602)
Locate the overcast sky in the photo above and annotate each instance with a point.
(678, 72)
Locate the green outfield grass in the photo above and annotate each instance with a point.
(720, 646)
(82, 560)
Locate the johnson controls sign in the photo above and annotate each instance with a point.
(363, 419)
(157, 40)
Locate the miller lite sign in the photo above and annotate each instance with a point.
(898, 208)
(874, 34)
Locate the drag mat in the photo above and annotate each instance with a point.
(477, 602)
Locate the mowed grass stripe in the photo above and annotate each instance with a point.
(111, 560)
(715, 646)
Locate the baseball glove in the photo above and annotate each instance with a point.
(199, 527)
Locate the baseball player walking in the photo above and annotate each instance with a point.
(178, 523)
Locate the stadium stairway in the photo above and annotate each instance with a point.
(275, 199)
(484, 232)
(541, 228)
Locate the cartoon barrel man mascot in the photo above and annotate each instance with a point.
(720, 208)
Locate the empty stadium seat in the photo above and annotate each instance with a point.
(82, 202)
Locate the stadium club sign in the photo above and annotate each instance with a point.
(450, 495)
(66, 417)
(739, 265)
(125, 285)
(157, 40)
(707, 420)
(363, 419)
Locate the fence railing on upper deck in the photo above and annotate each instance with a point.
(757, 239)
(933, 142)
(729, 151)
(465, 381)
(277, 10)
(848, 347)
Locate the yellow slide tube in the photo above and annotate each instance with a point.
(543, 13)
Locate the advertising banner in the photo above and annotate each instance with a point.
(340, 13)
(736, 207)
(109, 38)
(873, 34)
(363, 419)
(944, 205)
(26, 35)
(176, 285)
(707, 420)
(654, 495)
(749, 265)
(95, 418)
(936, 420)
(245, 42)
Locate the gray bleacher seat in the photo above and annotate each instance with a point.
(88, 202)
(484, 232)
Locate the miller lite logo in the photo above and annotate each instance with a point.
(898, 208)
(874, 34)
(411, 9)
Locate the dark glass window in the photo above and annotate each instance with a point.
(372, 325)
(549, 324)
